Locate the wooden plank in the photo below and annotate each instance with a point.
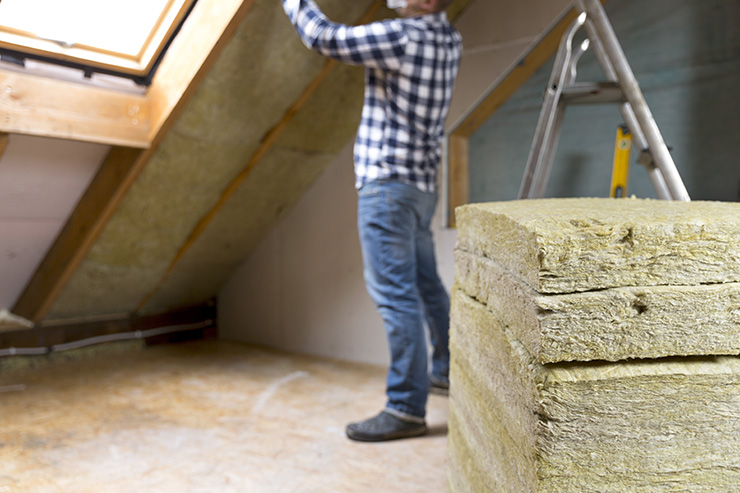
(209, 27)
(42, 106)
(181, 73)
(45, 107)
(459, 178)
(4, 138)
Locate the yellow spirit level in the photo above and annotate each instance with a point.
(621, 168)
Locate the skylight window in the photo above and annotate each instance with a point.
(110, 37)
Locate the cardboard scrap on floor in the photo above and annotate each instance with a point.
(582, 361)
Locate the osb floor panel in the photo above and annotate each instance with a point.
(205, 417)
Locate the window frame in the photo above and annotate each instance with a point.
(17, 45)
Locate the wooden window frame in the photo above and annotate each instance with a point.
(45, 107)
(138, 65)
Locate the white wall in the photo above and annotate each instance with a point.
(302, 290)
(41, 181)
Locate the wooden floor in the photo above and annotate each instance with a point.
(204, 417)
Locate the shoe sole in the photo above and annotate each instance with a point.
(410, 433)
(439, 391)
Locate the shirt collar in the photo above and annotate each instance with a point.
(435, 18)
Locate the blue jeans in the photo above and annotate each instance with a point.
(401, 278)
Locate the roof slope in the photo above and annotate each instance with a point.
(260, 129)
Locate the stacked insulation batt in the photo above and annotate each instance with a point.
(594, 347)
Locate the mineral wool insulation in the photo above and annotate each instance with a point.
(594, 347)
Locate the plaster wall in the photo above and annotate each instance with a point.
(302, 288)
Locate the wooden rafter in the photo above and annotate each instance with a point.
(3, 143)
(33, 105)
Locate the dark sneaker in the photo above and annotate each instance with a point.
(439, 387)
(384, 426)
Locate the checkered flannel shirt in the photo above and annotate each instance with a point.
(411, 65)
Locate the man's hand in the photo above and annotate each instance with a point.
(291, 8)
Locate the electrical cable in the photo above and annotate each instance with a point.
(123, 336)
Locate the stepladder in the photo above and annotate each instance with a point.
(618, 87)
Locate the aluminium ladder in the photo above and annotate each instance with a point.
(620, 87)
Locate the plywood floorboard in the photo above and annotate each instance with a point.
(205, 417)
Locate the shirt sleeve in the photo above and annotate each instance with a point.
(377, 45)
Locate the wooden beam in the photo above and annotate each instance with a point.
(211, 24)
(4, 138)
(498, 94)
(181, 72)
(40, 106)
(193, 322)
(459, 178)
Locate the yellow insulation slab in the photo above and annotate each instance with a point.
(583, 244)
(608, 324)
(670, 424)
(594, 347)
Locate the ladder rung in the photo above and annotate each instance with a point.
(592, 93)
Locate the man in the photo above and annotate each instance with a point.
(411, 64)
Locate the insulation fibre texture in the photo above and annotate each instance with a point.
(594, 347)
(516, 425)
(583, 244)
(608, 324)
(259, 76)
